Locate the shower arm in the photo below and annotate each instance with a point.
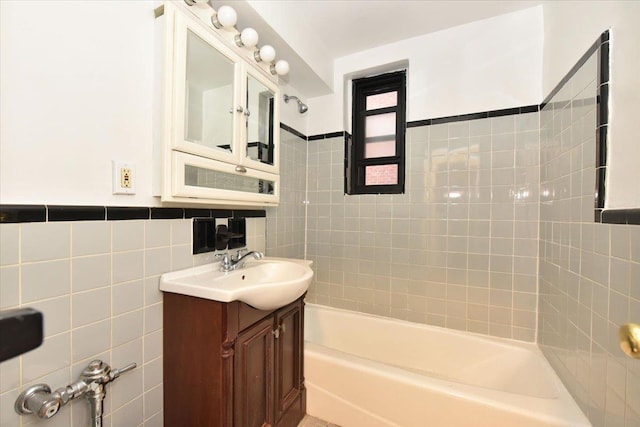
(302, 107)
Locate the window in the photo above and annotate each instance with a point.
(376, 153)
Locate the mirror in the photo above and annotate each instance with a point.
(209, 96)
(260, 109)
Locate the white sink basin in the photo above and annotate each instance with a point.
(266, 284)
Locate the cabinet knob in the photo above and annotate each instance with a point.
(247, 112)
(241, 169)
(239, 109)
(276, 333)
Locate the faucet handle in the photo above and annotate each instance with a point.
(115, 373)
(224, 256)
(240, 252)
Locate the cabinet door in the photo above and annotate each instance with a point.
(207, 107)
(261, 132)
(288, 362)
(253, 382)
(203, 178)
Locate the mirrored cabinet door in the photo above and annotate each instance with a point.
(207, 178)
(209, 96)
(261, 119)
(207, 104)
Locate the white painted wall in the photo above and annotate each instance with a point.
(570, 28)
(289, 112)
(76, 83)
(485, 65)
(77, 88)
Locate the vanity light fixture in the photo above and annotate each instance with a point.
(280, 68)
(266, 53)
(247, 38)
(225, 17)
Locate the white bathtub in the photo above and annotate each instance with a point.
(369, 371)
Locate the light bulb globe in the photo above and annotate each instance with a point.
(282, 67)
(267, 53)
(227, 16)
(249, 37)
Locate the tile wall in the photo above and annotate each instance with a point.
(286, 223)
(589, 272)
(458, 249)
(97, 284)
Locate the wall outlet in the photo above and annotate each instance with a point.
(124, 177)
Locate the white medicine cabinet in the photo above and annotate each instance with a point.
(220, 119)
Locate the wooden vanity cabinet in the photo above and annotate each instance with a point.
(230, 365)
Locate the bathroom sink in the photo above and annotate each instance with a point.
(266, 284)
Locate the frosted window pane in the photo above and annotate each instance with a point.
(381, 175)
(382, 100)
(380, 125)
(380, 149)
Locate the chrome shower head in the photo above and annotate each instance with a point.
(302, 107)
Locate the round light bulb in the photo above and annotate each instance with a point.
(227, 17)
(281, 68)
(249, 37)
(267, 53)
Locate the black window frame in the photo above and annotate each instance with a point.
(356, 162)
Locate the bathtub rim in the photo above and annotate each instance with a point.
(494, 397)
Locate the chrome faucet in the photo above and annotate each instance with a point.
(230, 263)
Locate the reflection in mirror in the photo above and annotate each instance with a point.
(199, 177)
(209, 96)
(260, 104)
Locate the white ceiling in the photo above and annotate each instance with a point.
(310, 34)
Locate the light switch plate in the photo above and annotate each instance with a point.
(124, 177)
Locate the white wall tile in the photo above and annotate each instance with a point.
(41, 280)
(9, 287)
(157, 261)
(153, 401)
(45, 241)
(90, 340)
(129, 385)
(128, 296)
(152, 373)
(9, 244)
(152, 318)
(181, 257)
(152, 292)
(152, 346)
(127, 266)
(8, 416)
(127, 235)
(90, 272)
(157, 233)
(127, 327)
(56, 314)
(9, 374)
(130, 415)
(51, 356)
(91, 306)
(181, 230)
(90, 238)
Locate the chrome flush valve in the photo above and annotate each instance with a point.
(39, 400)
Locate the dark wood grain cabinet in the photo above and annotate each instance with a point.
(230, 365)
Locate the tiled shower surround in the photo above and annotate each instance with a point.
(286, 223)
(589, 272)
(96, 282)
(457, 249)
